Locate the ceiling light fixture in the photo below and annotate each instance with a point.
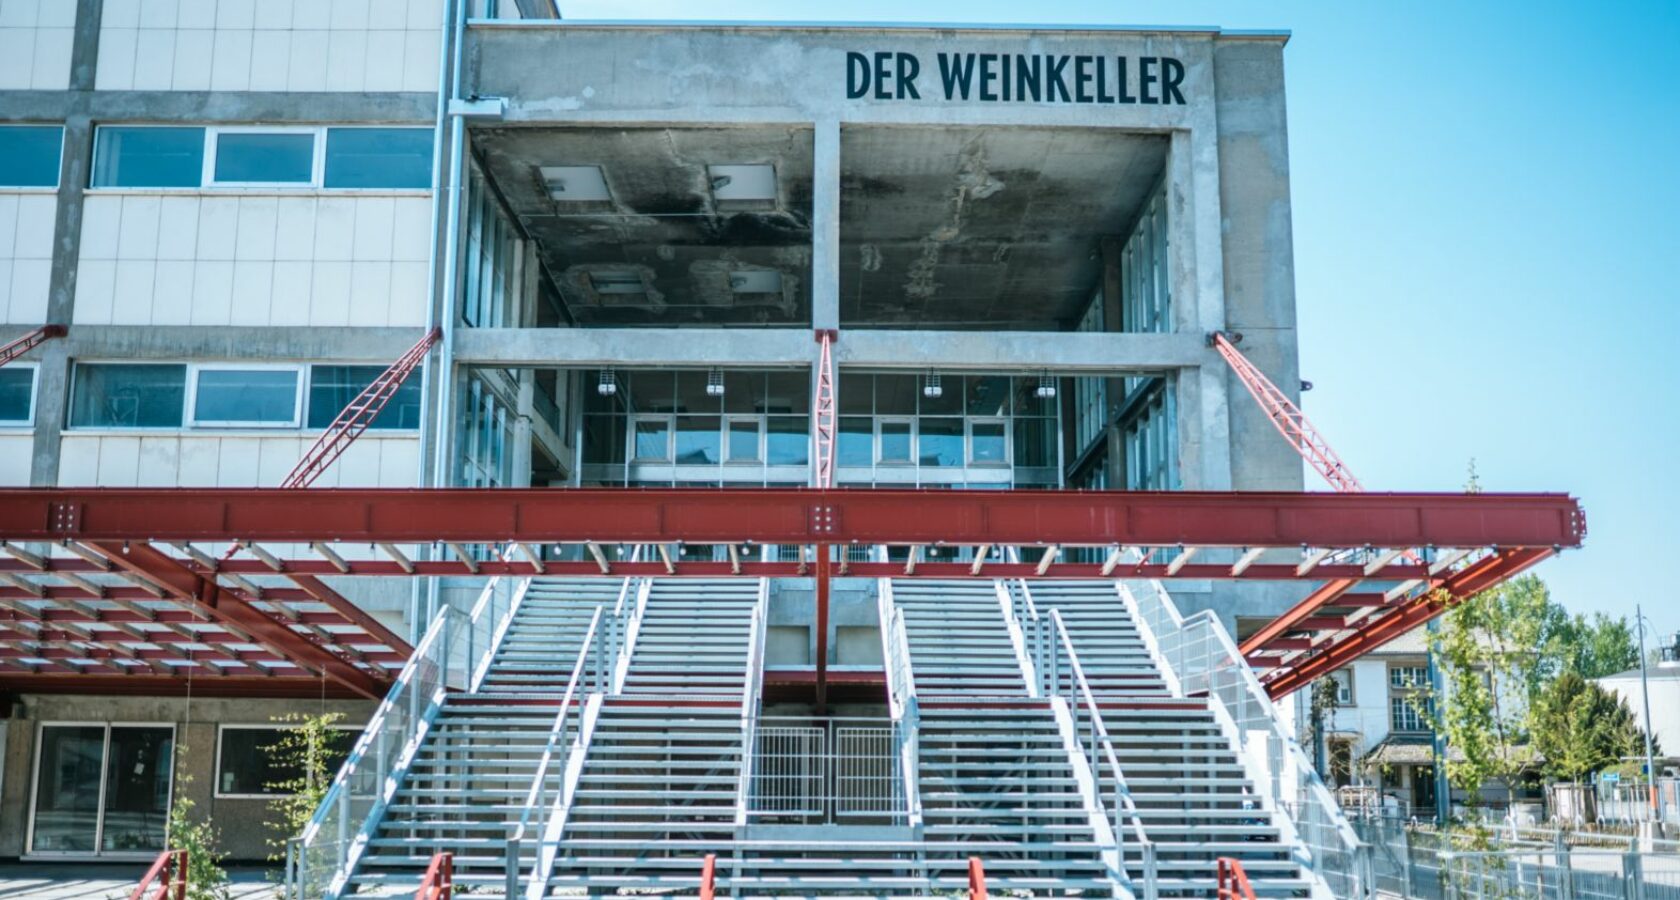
(1046, 386)
(931, 388)
(608, 385)
(714, 382)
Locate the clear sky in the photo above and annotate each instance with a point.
(1487, 244)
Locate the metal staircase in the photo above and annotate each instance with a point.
(996, 780)
(1192, 793)
(467, 786)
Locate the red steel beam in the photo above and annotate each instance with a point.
(226, 604)
(352, 613)
(1295, 618)
(794, 516)
(1461, 586)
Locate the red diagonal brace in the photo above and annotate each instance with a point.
(29, 342)
(223, 603)
(318, 589)
(1295, 618)
(358, 415)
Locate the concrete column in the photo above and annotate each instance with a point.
(825, 226)
(52, 393)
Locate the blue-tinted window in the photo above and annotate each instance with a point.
(789, 441)
(149, 157)
(940, 442)
(17, 388)
(856, 446)
(265, 158)
(379, 158)
(331, 388)
(128, 396)
(246, 397)
(29, 155)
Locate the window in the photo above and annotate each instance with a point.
(111, 395)
(1404, 714)
(246, 764)
(263, 157)
(246, 397)
(856, 442)
(17, 394)
(895, 442)
(698, 442)
(939, 442)
(152, 157)
(788, 441)
(101, 789)
(1343, 680)
(1408, 676)
(379, 158)
(331, 388)
(29, 155)
(744, 441)
(988, 442)
(653, 439)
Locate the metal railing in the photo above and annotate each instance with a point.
(557, 752)
(1063, 676)
(902, 705)
(841, 771)
(165, 880)
(1204, 661)
(1233, 881)
(439, 880)
(453, 655)
(1430, 865)
(751, 693)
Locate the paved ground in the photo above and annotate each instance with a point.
(85, 881)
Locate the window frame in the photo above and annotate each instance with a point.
(190, 418)
(76, 388)
(212, 149)
(222, 727)
(761, 431)
(631, 450)
(911, 435)
(1007, 436)
(98, 852)
(28, 421)
(58, 173)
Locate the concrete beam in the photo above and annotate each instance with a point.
(1059, 351)
(205, 107)
(223, 342)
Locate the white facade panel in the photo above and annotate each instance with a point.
(35, 41)
(235, 45)
(212, 259)
(26, 239)
(16, 447)
(175, 459)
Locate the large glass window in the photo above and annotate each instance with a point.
(17, 394)
(265, 157)
(379, 158)
(124, 395)
(789, 441)
(939, 442)
(895, 442)
(653, 439)
(331, 388)
(149, 157)
(856, 443)
(988, 442)
(248, 764)
(246, 397)
(102, 789)
(29, 155)
(698, 441)
(744, 441)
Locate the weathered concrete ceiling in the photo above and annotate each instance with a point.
(662, 222)
(969, 227)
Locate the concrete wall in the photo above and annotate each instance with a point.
(228, 459)
(242, 822)
(205, 259)
(268, 45)
(15, 446)
(26, 254)
(35, 41)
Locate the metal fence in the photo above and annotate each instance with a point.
(1431, 865)
(836, 771)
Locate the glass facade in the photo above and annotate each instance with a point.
(898, 428)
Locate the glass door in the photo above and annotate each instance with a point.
(102, 789)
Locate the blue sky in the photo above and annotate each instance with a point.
(1487, 240)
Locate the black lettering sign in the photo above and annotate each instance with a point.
(1019, 78)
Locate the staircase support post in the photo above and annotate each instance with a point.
(823, 567)
(512, 868)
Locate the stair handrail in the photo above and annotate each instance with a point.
(389, 742)
(902, 703)
(1200, 651)
(625, 622)
(167, 878)
(1100, 754)
(439, 880)
(501, 614)
(556, 747)
(750, 694)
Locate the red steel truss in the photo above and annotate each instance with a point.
(1290, 422)
(824, 419)
(358, 415)
(108, 583)
(29, 341)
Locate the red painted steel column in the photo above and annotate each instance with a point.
(823, 567)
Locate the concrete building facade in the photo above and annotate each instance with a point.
(630, 235)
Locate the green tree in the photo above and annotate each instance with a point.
(206, 879)
(1599, 646)
(1582, 729)
(310, 748)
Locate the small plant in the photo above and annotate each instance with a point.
(308, 751)
(198, 836)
